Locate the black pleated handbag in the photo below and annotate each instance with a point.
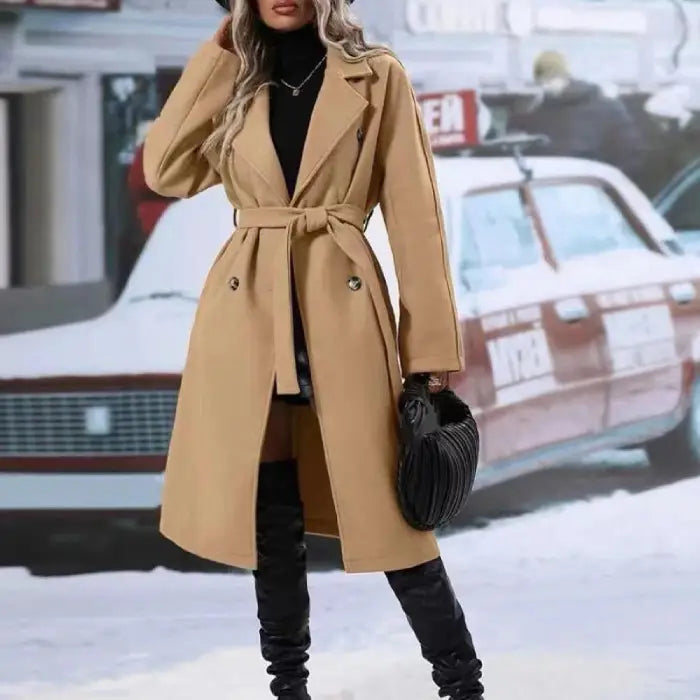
(439, 452)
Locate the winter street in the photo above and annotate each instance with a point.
(582, 601)
(303, 285)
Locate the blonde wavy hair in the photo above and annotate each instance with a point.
(337, 27)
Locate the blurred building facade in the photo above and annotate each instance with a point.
(79, 86)
(491, 44)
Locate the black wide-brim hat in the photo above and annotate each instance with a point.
(226, 5)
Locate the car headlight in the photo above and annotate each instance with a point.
(98, 420)
(682, 292)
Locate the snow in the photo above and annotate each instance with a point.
(140, 338)
(671, 102)
(582, 601)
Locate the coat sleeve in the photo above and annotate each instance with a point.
(173, 165)
(429, 334)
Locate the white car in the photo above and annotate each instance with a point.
(578, 310)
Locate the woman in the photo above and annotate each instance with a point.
(289, 394)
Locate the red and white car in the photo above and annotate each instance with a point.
(579, 314)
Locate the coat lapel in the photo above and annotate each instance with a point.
(336, 109)
(254, 143)
(338, 106)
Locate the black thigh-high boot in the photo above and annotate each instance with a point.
(436, 617)
(280, 580)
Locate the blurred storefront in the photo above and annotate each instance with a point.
(81, 79)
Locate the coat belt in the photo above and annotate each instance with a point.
(344, 223)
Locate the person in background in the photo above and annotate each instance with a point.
(579, 119)
(674, 136)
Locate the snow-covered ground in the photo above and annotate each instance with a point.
(585, 601)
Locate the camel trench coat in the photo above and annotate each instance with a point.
(366, 145)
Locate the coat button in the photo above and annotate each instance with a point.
(354, 283)
(233, 283)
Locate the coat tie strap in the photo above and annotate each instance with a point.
(344, 222)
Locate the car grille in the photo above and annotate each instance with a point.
(86, 423)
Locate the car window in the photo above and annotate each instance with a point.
(497, 235)
(684, 213)
(581, 219)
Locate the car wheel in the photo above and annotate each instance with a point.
(677, 454)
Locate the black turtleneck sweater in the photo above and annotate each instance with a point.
(296, 54)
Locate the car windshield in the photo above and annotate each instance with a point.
(498, 235)
(581, 219)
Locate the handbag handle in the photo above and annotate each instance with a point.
(419, 415)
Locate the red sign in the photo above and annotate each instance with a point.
(96, 5)
(450, 118)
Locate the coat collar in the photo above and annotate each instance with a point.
(355, 68)
(337, 107)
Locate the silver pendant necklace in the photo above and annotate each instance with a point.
(296, 89)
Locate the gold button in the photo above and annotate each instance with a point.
(354, 283)
(233, 283)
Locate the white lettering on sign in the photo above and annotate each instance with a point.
(640, 337)
(494, 322)
(626, 297)
(519, 357)
(520, 17)
(528, 314)
(444, 118)
(67, 4)
(450, 118)
(597, 20)
(512, 317)
(660, 353)
(458, 16)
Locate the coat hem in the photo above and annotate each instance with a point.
(433, 364)
(359, 565)
(239, 561)
(366, 565)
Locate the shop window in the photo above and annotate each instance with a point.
(130, 104)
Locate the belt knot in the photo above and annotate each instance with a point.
(316, 219)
